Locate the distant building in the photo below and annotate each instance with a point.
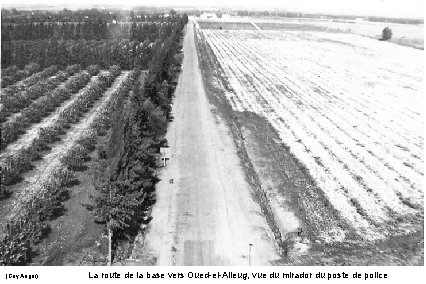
(359, 20)
(208, 16)
(226, 16)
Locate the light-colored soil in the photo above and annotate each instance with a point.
(299, 208)
(403, 34)
(204, 214)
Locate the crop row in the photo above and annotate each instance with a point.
(84, 52)
(29, 81)
(42, 107)
(75, 156)
(13, 75)
(294, 88)
(362, 181)
(386, 135)
(9, 71)
(14, 165)
(337, 80)
(15, 102)
(32, 223)
(222, 25)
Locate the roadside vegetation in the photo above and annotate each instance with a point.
(127, 170)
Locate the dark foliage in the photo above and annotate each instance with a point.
(386, 33)
(95, 40)
(126, 179)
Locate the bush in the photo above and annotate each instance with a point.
(75, 83)
(74, 158)
(88, 140)
(19, 163)
(93, 70)
(48, 135)
(14, 247)
(3, 191)
(64, 177)
(386, 33)
(72, 69)
(9, 133)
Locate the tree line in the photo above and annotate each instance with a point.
(145, 14)
(126, 176)
(127, 45)
(288, 14)
(89, 30)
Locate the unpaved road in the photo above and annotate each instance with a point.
(206, 216)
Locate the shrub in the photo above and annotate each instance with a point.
(78, 81)
(48, 135)
(74, 158)
(93, 70)
(64, 177)
(9, 133)
(3, 191)
(88, 140)
(14, 247)
(386, 33)
(72, 69)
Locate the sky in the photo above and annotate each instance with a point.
(387, 8)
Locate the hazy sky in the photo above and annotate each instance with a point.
(391, 8)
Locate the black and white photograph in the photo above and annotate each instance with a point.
(212, 133)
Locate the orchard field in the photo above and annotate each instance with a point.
(349, 110)
(70, 88)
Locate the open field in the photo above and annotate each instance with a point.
(356, 130)
(403, 34)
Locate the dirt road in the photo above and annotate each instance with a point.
(204, 214)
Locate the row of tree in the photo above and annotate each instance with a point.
(105, 53)
(145, 14)
(127, 45)
(90, 30)
(127, 170)
(287, 14)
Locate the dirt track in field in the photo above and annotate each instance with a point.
(204, 214)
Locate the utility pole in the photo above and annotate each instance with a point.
(250, 245)
(109, 234)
